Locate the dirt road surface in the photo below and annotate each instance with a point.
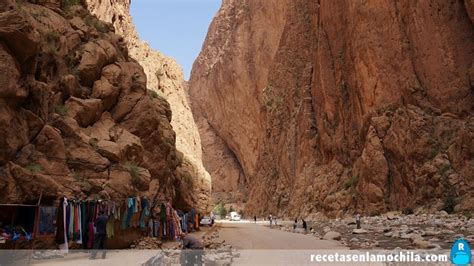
(257, 244)
(254, 244)
(244, 235)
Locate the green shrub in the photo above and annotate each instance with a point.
(51, 37)
(188, 179)
(271, 100)
(34, 168)
(269, 104)
(352, 182)
(443, 169)
(94, 22)
(220, 210)
(134, 171)
(61, 109)
(152, 94)
(407, 211)
(38, 14)
(76, 175)
(93, 142)
(159, 72)
(67, 4)
(86, 186)
(435, 149)
(449, 202)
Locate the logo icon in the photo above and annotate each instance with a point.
(460, 252)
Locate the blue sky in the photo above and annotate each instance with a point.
(176, 28)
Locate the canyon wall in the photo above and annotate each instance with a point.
(165, 77)
(76, 117)
(337, 106)
(226, 103)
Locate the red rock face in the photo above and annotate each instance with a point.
(76, 118)
(164, 77)
(341, 105)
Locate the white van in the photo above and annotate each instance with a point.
(234, 216)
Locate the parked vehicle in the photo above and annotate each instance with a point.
(206, 220)
(234, 216)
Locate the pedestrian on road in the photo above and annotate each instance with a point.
(255, 219)
(270, 218)
(100, 236)
(358, 220)
(305, 226)
(192, 250)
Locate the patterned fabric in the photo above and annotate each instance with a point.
(47, 216)
(110, 228)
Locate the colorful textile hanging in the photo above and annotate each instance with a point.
(46, 220)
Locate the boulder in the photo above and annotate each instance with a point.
(112, 74)
(49, 142)
(70, 86)
(82, 156)
(94, 56)
(423, 244)
(430, 232)
(109, 150)
(443, 213)
(9, 87)
(142, 183)
(125, 105)
(102, 128)
(414, 236)
(130, 145)
(119, 184)
(70, 128)
(18, 128)
(53, 4)
(19, 35)
(332, 235)
(85, 111)
(103, 90)
(31, 184)
(359, 231)
(78, 24)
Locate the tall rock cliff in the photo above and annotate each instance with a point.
(165, 77)
(333, 106)
(76, 118)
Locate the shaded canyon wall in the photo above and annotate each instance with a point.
(165, 77)
(333, 106)
(76, 117)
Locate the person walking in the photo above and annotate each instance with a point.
(255, 219)
(270, 218)
(192, 250)
(357, 220)
(305, 226)
(100, 236)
